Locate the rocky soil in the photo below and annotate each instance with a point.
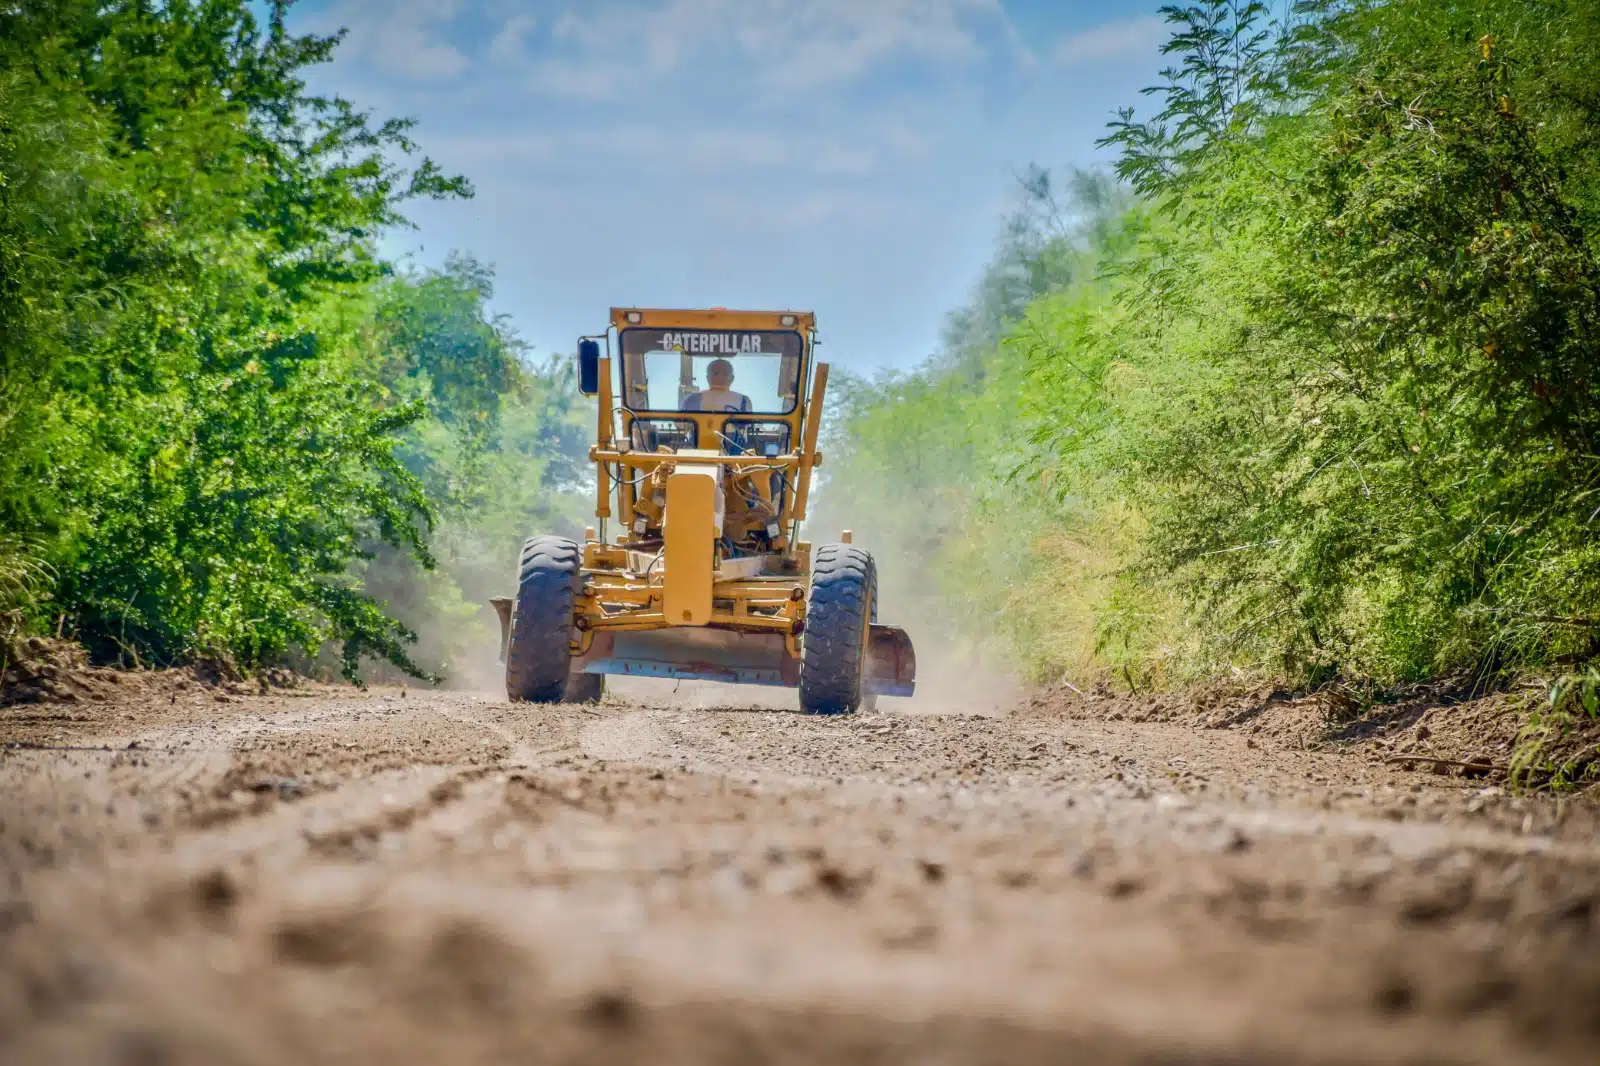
(248, 874)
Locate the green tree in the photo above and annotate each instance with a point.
(197, 462)
(1357, 412)
(1327, 405)
(502, 454)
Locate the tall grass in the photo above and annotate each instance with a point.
(1323, 405)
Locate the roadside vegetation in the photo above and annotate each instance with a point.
(228, 429)
(1319, 404)
(1302, 387)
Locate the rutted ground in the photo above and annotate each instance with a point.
(325, 875)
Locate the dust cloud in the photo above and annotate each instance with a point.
(958, 671)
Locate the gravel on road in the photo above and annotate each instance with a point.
(318, 874)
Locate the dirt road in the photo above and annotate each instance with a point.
(324, 875)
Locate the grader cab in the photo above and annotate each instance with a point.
(706, 445)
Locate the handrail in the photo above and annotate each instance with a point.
(602, 509)
(809, 456)
(644, 460)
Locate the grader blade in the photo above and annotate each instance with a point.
(502, 609)
(693, 654)
(891, 662)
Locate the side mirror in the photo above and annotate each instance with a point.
(588, 367)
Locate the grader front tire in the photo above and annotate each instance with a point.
(844, 584)
(539, 655)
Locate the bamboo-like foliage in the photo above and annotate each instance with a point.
(1337, 377)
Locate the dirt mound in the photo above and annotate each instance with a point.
(45, 670)
(1441, 728)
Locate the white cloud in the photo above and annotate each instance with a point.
(785, 45)
(397, 39)
(610, 51)
(755, 217)
(580, 78)
(657, 151)
(768, 152)
(510, 43)
(1114, 40)
(903, 141)
(828, 42)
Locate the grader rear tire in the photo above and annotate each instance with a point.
(844, 584)
(539, 657)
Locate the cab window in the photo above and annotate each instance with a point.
(712, 371)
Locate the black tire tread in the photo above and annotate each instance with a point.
(844, 582)
(539, 655)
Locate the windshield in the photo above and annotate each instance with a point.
(714, 371)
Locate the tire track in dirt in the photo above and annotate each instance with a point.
(451, 878)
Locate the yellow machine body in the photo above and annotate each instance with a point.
(692, 520)
(696, 569)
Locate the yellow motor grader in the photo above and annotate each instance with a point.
(706, 445)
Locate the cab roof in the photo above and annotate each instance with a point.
(711, 318)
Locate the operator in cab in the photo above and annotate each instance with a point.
(718, 395)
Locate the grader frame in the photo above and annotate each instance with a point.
(706, 577)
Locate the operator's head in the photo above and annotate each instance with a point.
(719, 375)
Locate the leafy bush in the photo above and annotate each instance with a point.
(180, 429)
(1325, 405)
(1364, 434)
(940, 472)
(502, 453)
(1559, 747)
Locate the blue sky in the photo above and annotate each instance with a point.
(851, 157)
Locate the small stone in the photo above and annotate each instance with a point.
(1125, 887)
(14, 913)
(215, 892)
(841, 885)
(611, 1010)
(1016, 878)
(1395, 995)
